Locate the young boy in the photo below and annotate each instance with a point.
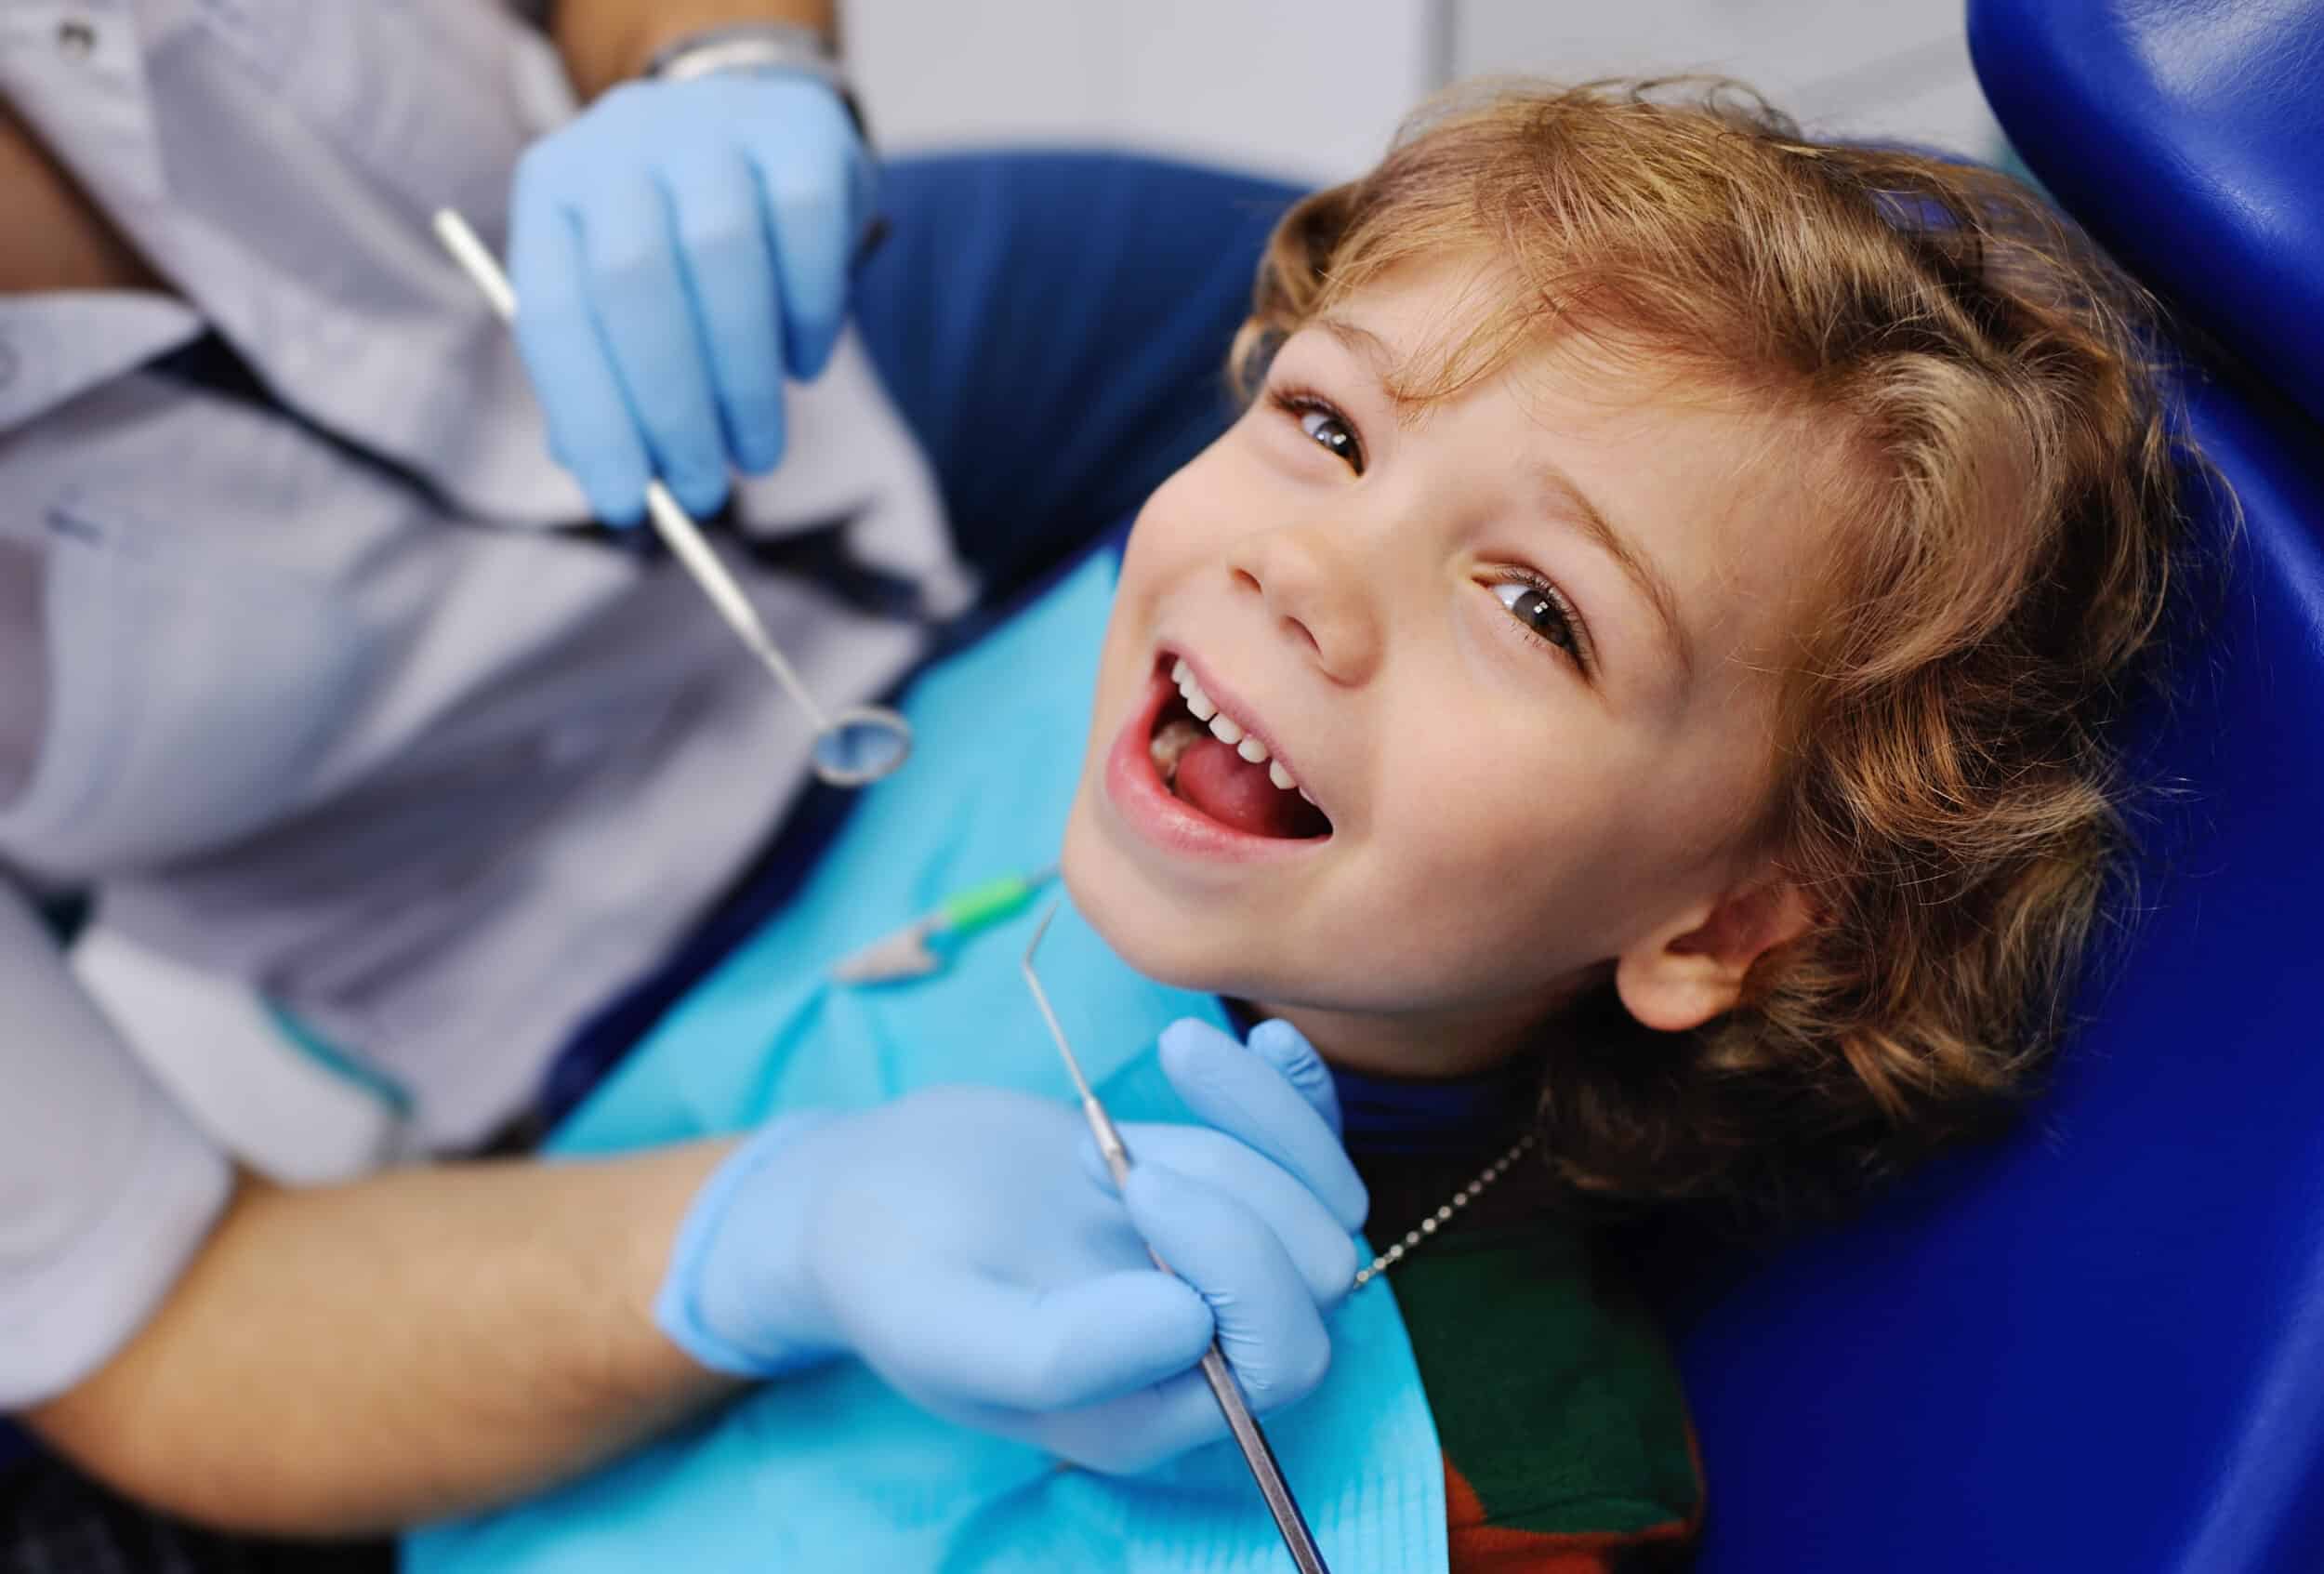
(1631, 691)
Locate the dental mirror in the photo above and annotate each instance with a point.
(862, 743)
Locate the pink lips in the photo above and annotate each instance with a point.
(1136, 791)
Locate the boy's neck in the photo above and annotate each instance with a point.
(1419, 1046)
(1403, 1118)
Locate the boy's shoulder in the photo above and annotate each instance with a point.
(1557, 1403)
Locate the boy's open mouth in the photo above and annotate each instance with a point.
(1205, 758)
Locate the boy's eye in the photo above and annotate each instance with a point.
(1333, 433)
(1543, 612)
(1325, 426)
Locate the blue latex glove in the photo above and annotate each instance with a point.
(675, 250)
(963, 1244)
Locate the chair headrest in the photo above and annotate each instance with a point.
(2188, 135)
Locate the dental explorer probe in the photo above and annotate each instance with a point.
(857, 747)
(1297, 1538)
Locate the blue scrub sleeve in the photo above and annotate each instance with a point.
(1055, 326)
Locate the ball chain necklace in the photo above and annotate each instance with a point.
(1438, 1220)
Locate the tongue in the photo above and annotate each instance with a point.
(1230, 788)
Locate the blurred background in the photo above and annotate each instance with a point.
(1313, 92)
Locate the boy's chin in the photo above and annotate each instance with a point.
(1144, 931)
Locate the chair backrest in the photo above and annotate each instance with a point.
(2100, 1345)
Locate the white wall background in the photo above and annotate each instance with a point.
(1306, 90)
(1314, 90)
(1847, 68)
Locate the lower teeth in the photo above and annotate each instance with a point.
(1171, 745)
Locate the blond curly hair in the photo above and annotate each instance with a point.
(1948, 794)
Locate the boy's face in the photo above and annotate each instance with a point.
(1535, 760)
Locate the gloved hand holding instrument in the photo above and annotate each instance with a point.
(688, 241)
(678, 248)
(965, 1243)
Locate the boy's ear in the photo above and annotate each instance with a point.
(1692, 969)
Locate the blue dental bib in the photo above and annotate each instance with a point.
(829, 1470)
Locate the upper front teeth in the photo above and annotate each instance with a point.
(1229, 731)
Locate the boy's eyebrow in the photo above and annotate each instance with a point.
(1359, 340)
(1368, 346)
(1639, 571)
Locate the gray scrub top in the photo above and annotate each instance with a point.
(381, 755)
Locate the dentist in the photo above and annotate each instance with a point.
(345, 717)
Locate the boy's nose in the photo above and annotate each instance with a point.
(1315, 596)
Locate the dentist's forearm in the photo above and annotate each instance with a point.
(421, 1343)
(605, 41)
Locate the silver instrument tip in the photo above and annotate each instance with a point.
(1040, 999)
